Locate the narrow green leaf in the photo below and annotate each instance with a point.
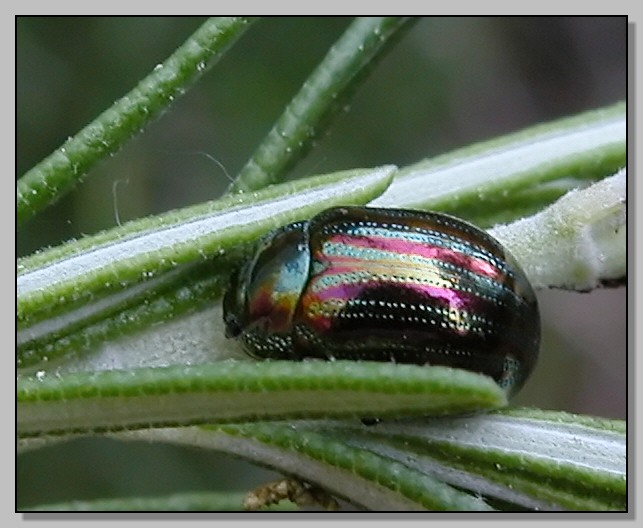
(64, 168)
(526, 202)
(244, 390)
(362, 477)
(537, 460)
(322, 95)
(520, 459)
(77, 338)
(83, 272)
(357, 464)
(476, 182)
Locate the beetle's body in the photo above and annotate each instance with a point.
(387, 285)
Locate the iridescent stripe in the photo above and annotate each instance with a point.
(394, 247)
(346, 256)
(420, 235)
(445, 306)
(452, 298)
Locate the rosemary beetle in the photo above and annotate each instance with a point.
(397, 285)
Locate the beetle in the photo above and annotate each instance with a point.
(399, 285)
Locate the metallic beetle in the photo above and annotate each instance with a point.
(395, 285)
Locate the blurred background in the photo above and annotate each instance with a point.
(448, 83)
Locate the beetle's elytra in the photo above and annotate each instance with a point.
(387, 285)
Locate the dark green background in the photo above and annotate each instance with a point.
(449, 82)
